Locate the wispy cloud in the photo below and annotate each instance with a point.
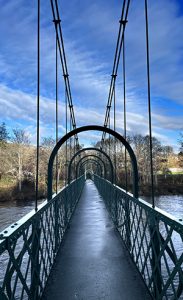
(90, 42)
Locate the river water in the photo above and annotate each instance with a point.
(11, 212)
(171, 204)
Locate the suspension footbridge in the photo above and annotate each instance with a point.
(92, 239)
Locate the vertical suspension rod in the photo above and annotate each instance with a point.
(38, 102)
(70, 140)
(124, 95)
(115, 126)
(56, 116)
(56, 18)
(149, 104)
(66, 100)
(119, 44)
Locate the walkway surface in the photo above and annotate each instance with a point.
(92, 263)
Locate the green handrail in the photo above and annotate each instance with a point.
(153, 238)
(28, 248)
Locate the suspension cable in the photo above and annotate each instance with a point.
(109, 134)
(38, 102)
(124, 96)
(114, 97)
(149, 104)
(70, 141)
(56, 17)
(123, 20)
(56, 104)
(66, 100)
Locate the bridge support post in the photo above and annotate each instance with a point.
(66, 209)
(35, 264)
(156, 262)
(127, 224)
(56, 228)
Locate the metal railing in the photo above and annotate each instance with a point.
(28, 248)
(153, 238)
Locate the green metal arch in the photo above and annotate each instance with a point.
(91, 149)
(92, 161)
(90, 155)
(89, 128)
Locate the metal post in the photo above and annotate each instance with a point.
(127, 225)
(155, 264)
(35, 265)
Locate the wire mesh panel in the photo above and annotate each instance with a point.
(153, 238)
(28, 248)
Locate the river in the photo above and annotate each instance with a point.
(171, 204)
(11, 212)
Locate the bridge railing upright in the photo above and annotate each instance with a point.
(28, 247)
(153, 238)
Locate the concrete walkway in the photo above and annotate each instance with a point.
(92, 263)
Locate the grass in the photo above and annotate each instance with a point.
(7, 183)
(176, 173)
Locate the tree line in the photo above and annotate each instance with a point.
(18, 159)
(18, 163)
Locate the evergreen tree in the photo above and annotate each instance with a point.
(4, 136)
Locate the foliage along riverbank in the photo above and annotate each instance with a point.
(9, 191)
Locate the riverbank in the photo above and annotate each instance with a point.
(163, 189)
(164, 185)
(9, 191)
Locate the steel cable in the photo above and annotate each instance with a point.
(124, 96)
(56, 19)
(38, 103)
(123, 21)
(149, 105)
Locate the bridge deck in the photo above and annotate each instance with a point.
(92, 262)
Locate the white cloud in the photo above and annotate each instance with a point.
(166, 48)
(89, 52)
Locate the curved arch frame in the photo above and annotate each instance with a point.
(92, 161)
(90, 149)
(89, 128)
(89, 171)
(79, 166)
(90, 155)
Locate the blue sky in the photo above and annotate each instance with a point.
(90, 31)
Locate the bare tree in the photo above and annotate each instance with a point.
(4, 136)
(180, 154)
(21, 141)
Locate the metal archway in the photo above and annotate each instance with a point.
(89, 128)
(90, 172)
(90, 155)
(91, 149)
(92, 161)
